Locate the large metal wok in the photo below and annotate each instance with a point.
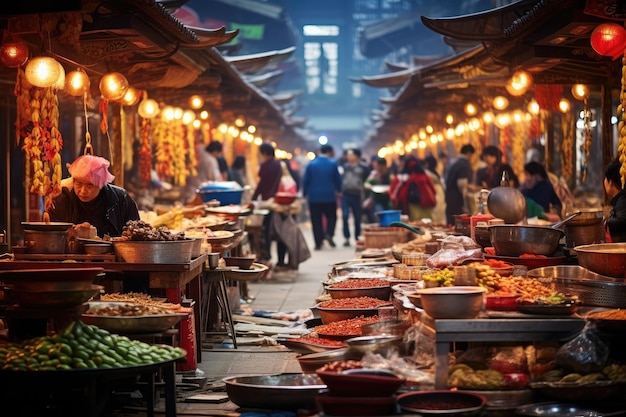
(516, 240)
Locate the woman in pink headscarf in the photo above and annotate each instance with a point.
(88, 197)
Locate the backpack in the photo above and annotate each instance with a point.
(414, 196)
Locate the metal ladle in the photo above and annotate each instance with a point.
(407, 227)
(562, 222)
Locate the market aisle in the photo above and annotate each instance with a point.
(291, 292)
(285, 293)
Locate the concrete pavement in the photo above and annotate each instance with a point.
(286, 292)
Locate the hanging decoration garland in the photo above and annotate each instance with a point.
(145, 154)
(179, 164)
(192, 159)
(567, 148)
(585, 147)
(518, 146)
(42, 141)
(621, 108)
(163, 150)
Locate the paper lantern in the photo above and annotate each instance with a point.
(113, 86)
(609, 39)
(131, 97)
(519, 83)
(148, 108)
(77, 83)
(196, 102)
(500, 102)
(42, 71)
(60, 84)
(13, 53)
(580, 91)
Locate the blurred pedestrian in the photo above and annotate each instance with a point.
(458, 177)
(416, 196)
(270, 172)
(321, 185)
(377, 200)
(438, 213)
(538, 187)
(490, 176)
(207, 170)
(238, 170)
(355, 173)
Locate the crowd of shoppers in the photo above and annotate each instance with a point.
(434, 188)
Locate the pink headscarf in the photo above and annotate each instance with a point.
(92, 169)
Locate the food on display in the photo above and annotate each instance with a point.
(609, 315)
(319, 341)
(361, 283)
(526, 288)
(138, 230)
(349, 327)
(612, 372)
(340, 366)
(82, 346)
(441, 277)
(125, 310)
(353, 303)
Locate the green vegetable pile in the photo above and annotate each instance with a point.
(82, 346)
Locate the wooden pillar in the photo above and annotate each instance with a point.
(605, 124)
(115, 143)
(549, 148)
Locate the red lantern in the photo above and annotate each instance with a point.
(13, 53)
(609, 39)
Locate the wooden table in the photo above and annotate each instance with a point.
(173, 278)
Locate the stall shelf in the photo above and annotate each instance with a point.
(173, 278)
(448, 331)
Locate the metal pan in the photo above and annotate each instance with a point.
(554, 409)
(47, 226)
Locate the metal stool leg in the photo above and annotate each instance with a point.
(226, 309)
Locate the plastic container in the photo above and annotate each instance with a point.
(386, 217)
(226, 192)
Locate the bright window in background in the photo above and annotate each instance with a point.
(321, 67)
(320, 30)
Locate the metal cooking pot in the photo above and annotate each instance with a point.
(587, 217)
(37, 241)
(515, 240)
(507, 204)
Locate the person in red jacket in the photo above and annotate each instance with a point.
(416, 196)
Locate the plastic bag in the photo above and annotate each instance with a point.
(585, 353)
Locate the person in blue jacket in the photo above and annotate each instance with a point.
(321, 185)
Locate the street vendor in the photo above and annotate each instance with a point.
(616, 221)
(89, 199)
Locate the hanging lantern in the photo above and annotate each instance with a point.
(60, 84)
(564, 105)
(470, 109)
(609, 39)
(519, 83)
(77, 83)
(188, 117)
(113, 86)
(196, 102)
(500, 102)
(580, 91)
(42, 71)
(148, 108)
(533, 107)
(13, 53)
(131, 97)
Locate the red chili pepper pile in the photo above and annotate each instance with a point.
(361, 283)
(350, 327)
(353, 303)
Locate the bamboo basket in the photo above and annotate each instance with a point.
(384, 237)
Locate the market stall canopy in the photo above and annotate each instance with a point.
(149, 46)
(548, 38)
(253, 63)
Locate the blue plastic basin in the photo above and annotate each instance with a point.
(386, 217)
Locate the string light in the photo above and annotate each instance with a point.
(42, 71)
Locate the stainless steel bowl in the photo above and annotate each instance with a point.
(382, 293)
(459, 302)
(603, 258)
(154, 251)
(516, 240)
(377, 344)
(314, 361)
(287, 392)
(51, 299)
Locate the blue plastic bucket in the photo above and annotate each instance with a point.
(386, 217)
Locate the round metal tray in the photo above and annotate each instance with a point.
(132, 324)
(49, 299)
